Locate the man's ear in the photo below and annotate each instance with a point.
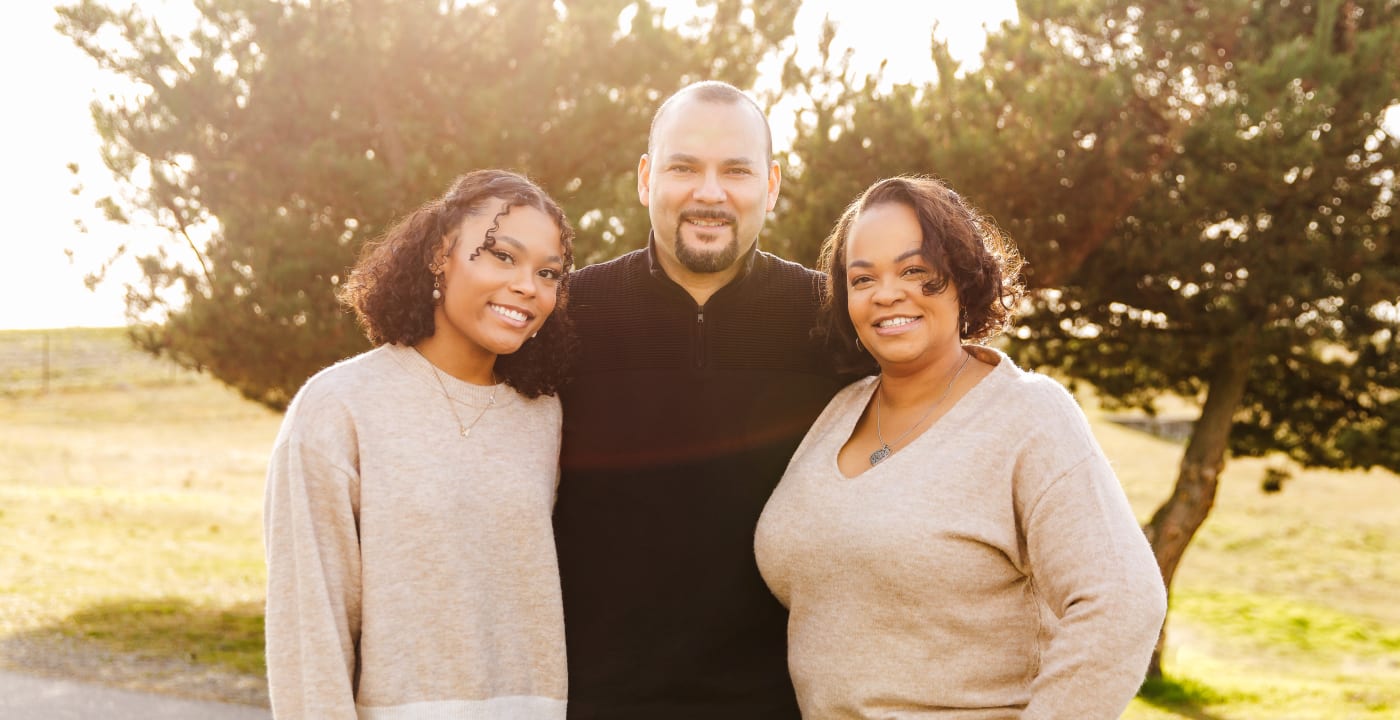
(644, 180)
(775, 182)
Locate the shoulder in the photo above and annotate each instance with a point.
(543, 408)
(786, 277)
(608, 273)
(335, 382)
(856, 392)
(847, 400)
(1034, 398)
(600, 293)
(324, 406)
(1040, 416)
(348, 375)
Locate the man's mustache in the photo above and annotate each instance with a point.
(708, 215)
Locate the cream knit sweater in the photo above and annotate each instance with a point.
(990, 569)
(411, 571)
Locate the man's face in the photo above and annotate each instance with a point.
(707, 183)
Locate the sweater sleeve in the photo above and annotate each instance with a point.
(313, 592)
(1094, 569)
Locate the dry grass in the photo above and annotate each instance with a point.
(130, 504)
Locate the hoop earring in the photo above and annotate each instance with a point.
(859, 347)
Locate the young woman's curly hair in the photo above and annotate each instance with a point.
(964, 247)
(391, 286)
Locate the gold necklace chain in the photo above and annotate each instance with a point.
(884, 450)
(465, 430)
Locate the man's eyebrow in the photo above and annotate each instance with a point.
(521, 247)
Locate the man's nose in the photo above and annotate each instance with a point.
(710, 189)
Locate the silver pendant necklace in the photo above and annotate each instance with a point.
(464, 430)
(884, 450)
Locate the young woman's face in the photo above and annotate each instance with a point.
(494, 299)
(885, 276)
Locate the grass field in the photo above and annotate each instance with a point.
(130, 513)
(130, 518)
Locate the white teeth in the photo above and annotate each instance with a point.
(708, 223)
(895, 322)
(512, 314)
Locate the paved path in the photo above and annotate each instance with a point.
(29, 697)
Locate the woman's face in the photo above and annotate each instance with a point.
(885, 274)
(496, 299)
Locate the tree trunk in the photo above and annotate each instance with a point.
(1176, 521)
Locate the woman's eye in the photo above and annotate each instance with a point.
(915, 271)
(502, 255)
(551, 274)
(857, 281)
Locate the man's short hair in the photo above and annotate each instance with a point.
(711, 91)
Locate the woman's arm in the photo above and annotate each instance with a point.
(1092, 566)
(313, 583)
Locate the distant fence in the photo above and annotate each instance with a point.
(42, 361)
(1175, 429)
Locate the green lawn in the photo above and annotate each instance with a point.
(1285, 605)
(130, 513)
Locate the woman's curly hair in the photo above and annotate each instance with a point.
(964, 247)
(391, 286)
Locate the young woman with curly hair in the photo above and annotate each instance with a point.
(410, 551)
(949, 537)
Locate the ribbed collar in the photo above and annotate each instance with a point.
(746, 265)
(460, 391)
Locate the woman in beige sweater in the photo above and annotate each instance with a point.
(410, 551)
(949, 538)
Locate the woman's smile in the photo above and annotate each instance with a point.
(897, 324)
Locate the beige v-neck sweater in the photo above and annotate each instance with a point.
(411, 571)
(990, 569)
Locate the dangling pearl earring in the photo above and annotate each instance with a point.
(437, 287)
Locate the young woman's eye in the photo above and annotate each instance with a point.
(551, 274)
(859, 280)
(502, 255)
(915, 271)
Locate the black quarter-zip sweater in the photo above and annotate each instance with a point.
(678, 424)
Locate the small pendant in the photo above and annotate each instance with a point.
(879, 455)
(466, 432)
